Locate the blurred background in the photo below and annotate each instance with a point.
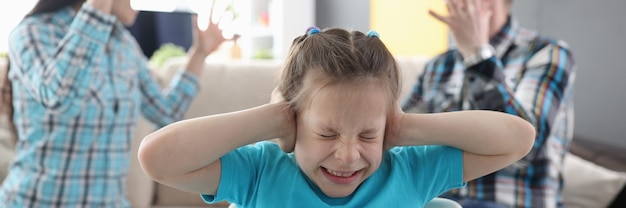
(594, 30)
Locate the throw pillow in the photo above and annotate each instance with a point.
(588, 184)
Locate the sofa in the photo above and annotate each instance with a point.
(594, 173)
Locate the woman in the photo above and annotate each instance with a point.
(79, 83)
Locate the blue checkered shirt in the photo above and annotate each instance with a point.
(531, 76)
(80, 82)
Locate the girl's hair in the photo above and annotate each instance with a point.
(333, 56)
(44, 6)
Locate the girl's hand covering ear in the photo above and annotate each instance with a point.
(394, 133)
(287, 140)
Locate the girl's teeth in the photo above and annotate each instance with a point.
(340, 174)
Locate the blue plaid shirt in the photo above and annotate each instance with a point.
(531, 76)
(79, 83)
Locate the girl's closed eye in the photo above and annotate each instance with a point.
(368, 136)
(326, 132)
(327, 135)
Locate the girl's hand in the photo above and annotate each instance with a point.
(287, 140)
(469, 23)
(395, 133)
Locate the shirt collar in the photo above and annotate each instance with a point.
(64, 16)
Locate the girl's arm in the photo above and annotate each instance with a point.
(186, 154)
(490, 140)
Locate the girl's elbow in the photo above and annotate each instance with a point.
(149, 157)
(527, 136)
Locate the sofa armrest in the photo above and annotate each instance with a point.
(604, 155)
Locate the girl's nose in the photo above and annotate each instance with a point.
(347, 152)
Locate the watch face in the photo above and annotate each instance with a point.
(483, 53)
(486, 51)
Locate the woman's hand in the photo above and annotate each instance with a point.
(287, 140)
(204, 43)
(208, 40)
(469, 23)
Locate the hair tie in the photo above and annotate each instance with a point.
(312, 30)
(372, 33)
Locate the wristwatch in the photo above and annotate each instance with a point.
(482, 53)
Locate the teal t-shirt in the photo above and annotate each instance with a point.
(262, 175)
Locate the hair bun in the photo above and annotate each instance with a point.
(312, 30)
(373, 33)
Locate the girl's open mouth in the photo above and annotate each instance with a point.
(341, 177)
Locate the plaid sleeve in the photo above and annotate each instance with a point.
(415, 102)
(536, 96)
(414, 99)
(55, 70)
(165, 106)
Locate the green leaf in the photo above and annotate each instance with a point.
(166, 52)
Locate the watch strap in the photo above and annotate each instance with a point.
(484, 52)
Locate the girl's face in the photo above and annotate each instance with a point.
(340, 136)
(124, 12)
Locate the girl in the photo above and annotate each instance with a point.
(342, 138)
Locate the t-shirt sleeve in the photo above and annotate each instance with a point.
(240, 170)
(435, 169)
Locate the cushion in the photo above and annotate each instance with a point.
(139, 187)
(588, 184)
(7, 151)
(7, 132)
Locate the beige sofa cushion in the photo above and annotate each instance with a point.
(7, 132)
(235, 85)
(7, 147)
(228, 86)
(225, 87)
(139, 187)
(589, 185)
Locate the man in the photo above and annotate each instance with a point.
(497, 65)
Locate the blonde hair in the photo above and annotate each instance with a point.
(337, 56)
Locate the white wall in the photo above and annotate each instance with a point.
(348, 14)
(595, 30)
(10, 15)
